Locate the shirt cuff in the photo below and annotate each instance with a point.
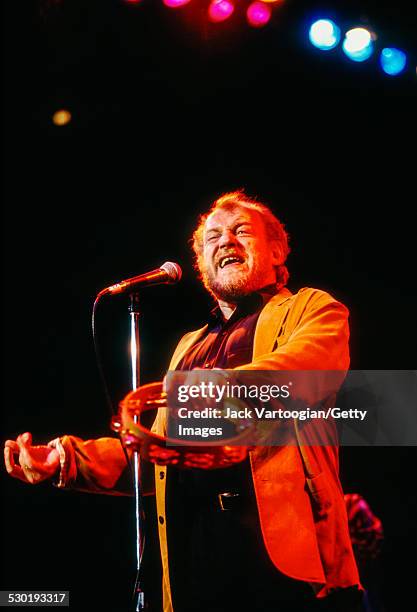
(63, 462)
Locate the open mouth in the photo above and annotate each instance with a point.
(229, 260)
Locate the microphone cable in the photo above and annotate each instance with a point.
(110, 404)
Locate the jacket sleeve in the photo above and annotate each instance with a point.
(315, 336)
(312, 341)
(97, 466)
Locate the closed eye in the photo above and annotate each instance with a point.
(212, 237)
(243, 230)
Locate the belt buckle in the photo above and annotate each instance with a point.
(227, 500)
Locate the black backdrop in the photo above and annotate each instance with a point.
(168, 112)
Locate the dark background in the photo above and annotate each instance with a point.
(169, 112)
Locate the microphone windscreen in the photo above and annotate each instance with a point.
(173, 270)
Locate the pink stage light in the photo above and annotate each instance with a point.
(175, 3)
(258, 14)
(220, 10)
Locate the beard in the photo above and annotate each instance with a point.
(236, 286)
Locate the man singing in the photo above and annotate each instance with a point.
(270, 533)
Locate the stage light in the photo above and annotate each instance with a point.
(392, 60)
(220, 10)
(358, 45)
(61, 117)
(324, 34)
(175, 3)
(258, 14)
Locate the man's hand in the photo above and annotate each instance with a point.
(29, 463)
(195, 377)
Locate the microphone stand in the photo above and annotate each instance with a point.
(138, 596)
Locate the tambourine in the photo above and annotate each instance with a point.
(163, 450)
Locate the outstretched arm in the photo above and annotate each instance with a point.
(94, 466)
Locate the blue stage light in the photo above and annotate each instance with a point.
(358, 45)
(392, 60)
(324, 34)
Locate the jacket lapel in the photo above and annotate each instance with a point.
(185, 343)
(269, 323)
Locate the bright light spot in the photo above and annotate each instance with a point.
(220, 10)
(61, 117)
(357, 39)
(324, 34)
(358, 45)
(258, 14)
(392, 60)
(175, 3)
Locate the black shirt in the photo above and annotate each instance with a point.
(227, 344)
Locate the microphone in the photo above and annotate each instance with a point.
(168, 273)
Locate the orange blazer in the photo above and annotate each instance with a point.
(298, 492)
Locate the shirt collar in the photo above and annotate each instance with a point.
(249, 304)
